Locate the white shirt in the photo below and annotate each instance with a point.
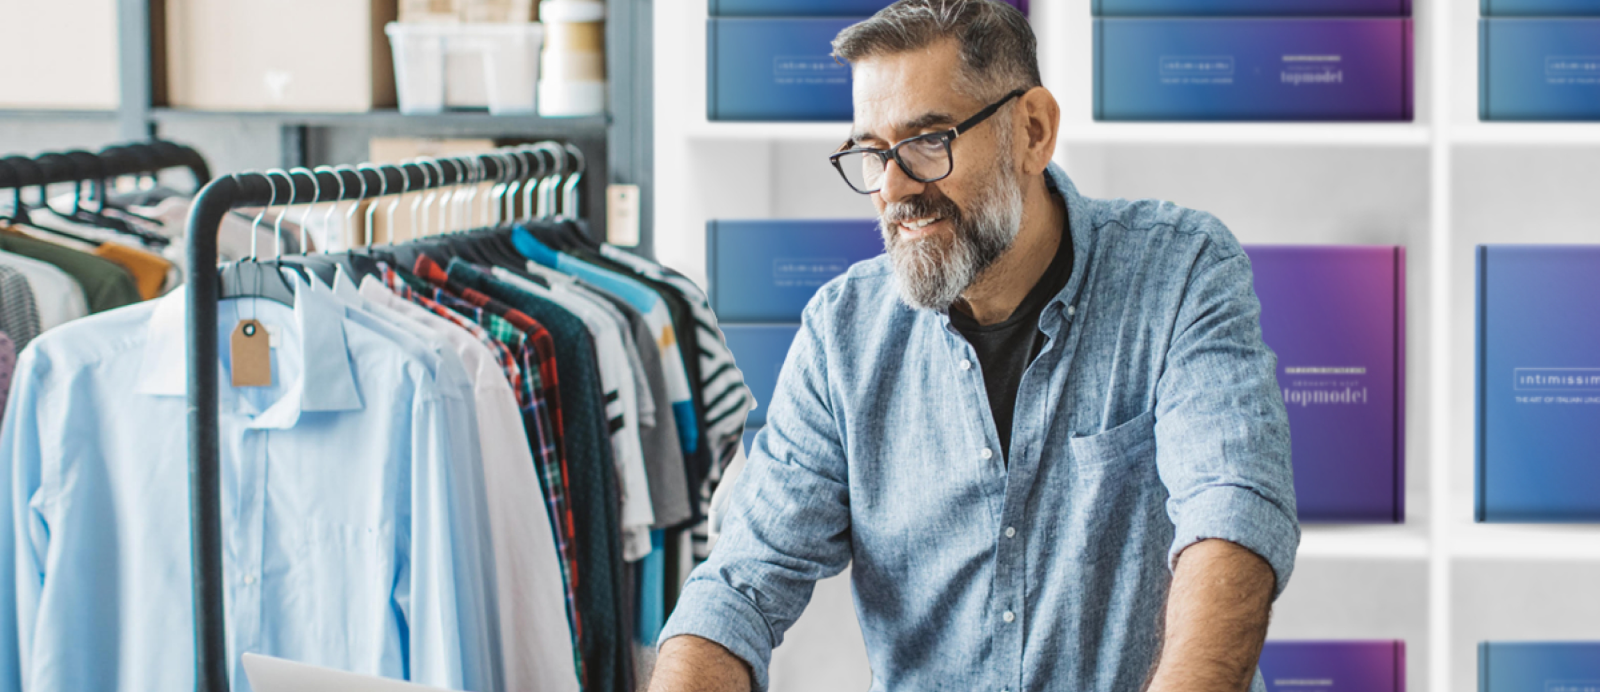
(56, 294)
(535, 637)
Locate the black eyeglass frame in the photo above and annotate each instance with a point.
(944, 137)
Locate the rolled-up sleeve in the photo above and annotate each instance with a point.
(787, 524)
(1222, 434)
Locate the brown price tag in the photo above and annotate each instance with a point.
(252, 354)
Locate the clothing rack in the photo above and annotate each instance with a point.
(18, 172)
(206, 214)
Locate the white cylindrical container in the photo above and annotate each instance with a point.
(573, 67)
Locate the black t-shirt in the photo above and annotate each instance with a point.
(1006, 348)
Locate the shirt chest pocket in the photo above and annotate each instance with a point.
(1129, 446)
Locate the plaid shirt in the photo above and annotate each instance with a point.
(523, 365)
(502, 353)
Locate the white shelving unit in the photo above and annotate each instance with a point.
(1440, 186)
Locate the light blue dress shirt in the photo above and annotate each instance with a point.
(1150, 421)
(339, 505)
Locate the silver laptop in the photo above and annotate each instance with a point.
(268, 674)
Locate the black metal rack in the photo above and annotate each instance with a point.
(19, 172)
(205, 217)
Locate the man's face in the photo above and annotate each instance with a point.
(940, 235)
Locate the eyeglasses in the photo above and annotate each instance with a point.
(924, 158)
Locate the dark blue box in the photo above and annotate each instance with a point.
(1253, 69)
(760, 350)
(766, 271)
(763, 69)
(1539, 69)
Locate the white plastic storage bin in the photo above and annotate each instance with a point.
(442, 64)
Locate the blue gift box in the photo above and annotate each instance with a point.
(1539, 666)
(760, 350)
(766, 271)
(764, 69)
(1539, 8)
(1538, 383)
(1539, 69)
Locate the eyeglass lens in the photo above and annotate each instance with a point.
(927, 159)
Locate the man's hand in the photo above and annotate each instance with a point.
(1217, 617)
(692, 664)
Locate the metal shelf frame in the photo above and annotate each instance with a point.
(624, 135)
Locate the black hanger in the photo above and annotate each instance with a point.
(40, 172)
(250, 278)
(91, 170)
(9, 180)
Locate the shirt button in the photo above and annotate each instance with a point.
(966, 365)
(986, 453)
(1011, 532)
(249, 579)
(1009, 616)
(1071, 310)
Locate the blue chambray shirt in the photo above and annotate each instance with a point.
(343, 542)
(1150, 421)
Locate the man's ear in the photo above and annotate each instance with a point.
(1040, 116)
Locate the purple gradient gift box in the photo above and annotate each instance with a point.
(1334, 666)
(1252, 69)
(1335, 317)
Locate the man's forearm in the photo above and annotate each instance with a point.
(1217, 615)
(693, 664)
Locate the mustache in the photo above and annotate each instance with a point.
(921, 207)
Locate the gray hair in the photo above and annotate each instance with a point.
(998, 49)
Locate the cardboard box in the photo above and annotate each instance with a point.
(776, 69)
(286, 55)
(1538, 384)
(759, 350)
(1539, 69)
(1540, 666)
(1252, 8)
(1253, 69)
(1335, 317)
(766, 271)
(1334, 666)
(59, 54)
(479, 11)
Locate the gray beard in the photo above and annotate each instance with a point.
(933, 272)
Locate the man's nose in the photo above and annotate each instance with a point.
(898, 186)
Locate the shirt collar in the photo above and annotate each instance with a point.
(1080, 228)
(327, 380)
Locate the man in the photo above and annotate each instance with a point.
(1043, 428)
